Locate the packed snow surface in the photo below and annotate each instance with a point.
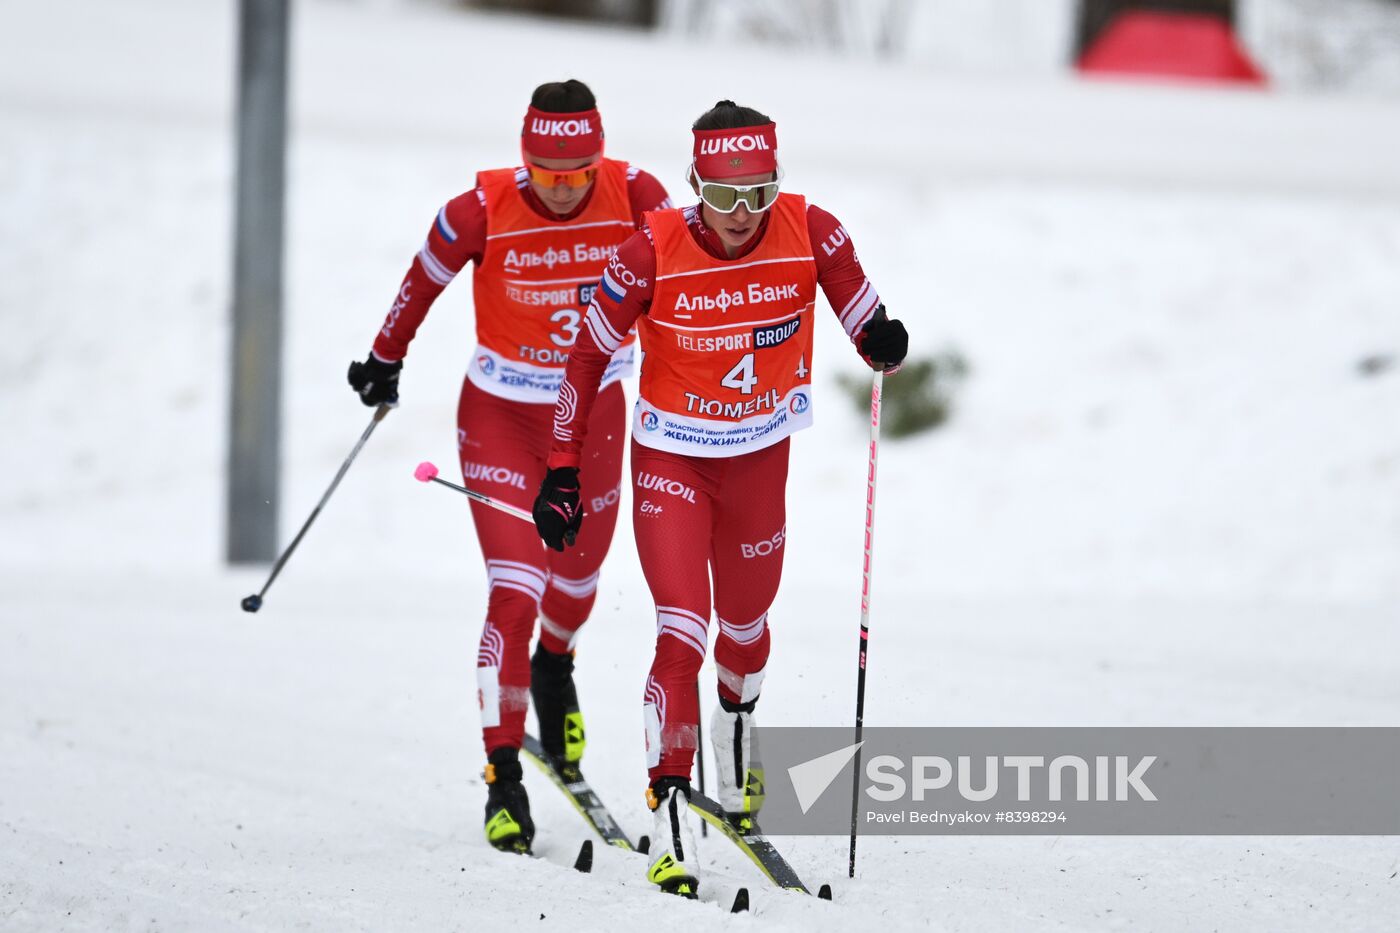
(1169, 495)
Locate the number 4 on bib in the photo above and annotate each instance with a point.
(741, 377)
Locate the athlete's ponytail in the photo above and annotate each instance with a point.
(727, 115)
(571, 96)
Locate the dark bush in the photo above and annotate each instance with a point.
(917, 398)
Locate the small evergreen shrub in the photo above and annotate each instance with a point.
(918, 398)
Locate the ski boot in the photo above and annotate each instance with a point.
(674, 859)
(508, 824)
(736, 761)
(556, 708)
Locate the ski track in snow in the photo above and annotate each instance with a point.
(1167, 496)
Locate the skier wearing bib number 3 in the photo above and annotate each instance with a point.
(540, 235)
(722, 294)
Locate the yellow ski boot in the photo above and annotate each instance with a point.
(674, 859)
(556, 707)
(740, 792)
(508, 824)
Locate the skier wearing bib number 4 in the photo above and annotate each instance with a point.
(722, 294)
(540, 235)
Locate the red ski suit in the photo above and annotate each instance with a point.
(709, 465)
(534, 271)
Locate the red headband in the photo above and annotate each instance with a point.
(747, 150)
(562, 135)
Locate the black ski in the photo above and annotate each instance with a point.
(570, 781)
(751, 842)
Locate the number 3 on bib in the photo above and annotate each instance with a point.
(570, 319)
(741, 377)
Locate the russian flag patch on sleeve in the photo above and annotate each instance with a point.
(611, 288)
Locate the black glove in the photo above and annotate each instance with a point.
(884, 343)
(558, 512)
(376, 381)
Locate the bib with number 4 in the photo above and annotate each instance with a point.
(727, 344)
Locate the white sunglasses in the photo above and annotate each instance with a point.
(726, 198)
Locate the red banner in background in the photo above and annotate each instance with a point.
(1196, 47)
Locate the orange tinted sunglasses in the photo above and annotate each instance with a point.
(572, 178)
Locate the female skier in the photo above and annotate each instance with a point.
(722, 294)
(539, 234)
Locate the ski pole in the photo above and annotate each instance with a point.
(254, 603)
(700, 753)
(428, 473)
(876, 388)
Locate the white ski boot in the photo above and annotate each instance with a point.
(736, 762)
(674, 859)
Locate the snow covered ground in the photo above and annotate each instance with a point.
(1169, 496)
